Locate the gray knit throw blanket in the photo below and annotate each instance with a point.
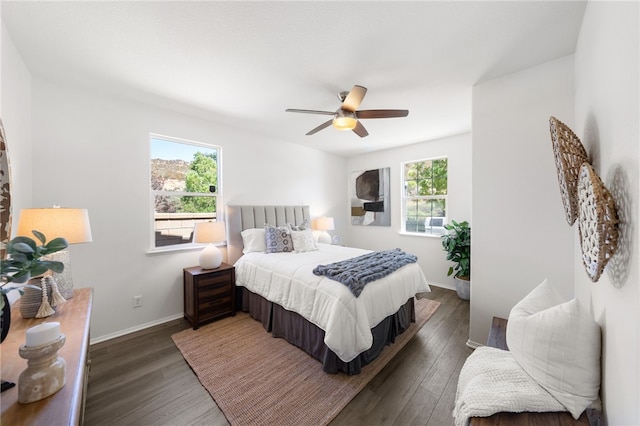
(357, 272)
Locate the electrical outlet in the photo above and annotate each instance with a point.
(137, 301)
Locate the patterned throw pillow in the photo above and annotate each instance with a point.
(278, 239)
(304, 225)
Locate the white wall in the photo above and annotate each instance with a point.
(16, 118)
(607, 115)
(91, 150)
(15, 104)
(520, 232)
(431, 257)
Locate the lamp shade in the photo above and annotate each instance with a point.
(209, 232)
(325, 224)
(56, 222)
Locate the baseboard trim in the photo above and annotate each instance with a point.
(130, 330)
(447, 286)
(473, 345)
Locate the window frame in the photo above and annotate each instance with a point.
(217, 195)
(404, 198)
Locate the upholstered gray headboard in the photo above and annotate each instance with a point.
(240, 218)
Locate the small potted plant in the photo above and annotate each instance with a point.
(457, 243)
(24, 262)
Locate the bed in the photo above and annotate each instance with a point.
(315, 313)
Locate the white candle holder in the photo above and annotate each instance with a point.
(46, 372)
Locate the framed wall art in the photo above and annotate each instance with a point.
(369, 192)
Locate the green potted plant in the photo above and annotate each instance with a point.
(457, 243)
(25, 261)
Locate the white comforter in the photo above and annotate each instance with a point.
(287, 279)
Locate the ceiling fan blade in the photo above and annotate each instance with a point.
(382, 113)
(320, 127)
(310, 111)
(360, 130)
(353, 99)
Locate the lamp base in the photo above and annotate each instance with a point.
(63, 279)
(210, 258)
(324, 237)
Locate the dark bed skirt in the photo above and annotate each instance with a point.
(298, 331)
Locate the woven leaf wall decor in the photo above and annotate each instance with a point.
(597, 222)
(569, 155)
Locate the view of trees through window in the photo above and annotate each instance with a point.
(425, 196)
(184, 184)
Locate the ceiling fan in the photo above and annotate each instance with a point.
(348, 117)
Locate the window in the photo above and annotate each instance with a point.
(424, 197)
(184, 188)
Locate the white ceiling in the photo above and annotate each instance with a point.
(244, 63)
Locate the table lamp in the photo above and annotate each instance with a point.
(58, 222)
(324, 224)
(210, 232)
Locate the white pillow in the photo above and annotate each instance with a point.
(303, 241)
(558, 345)
(253, 240)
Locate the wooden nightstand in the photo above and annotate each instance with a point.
(209, 293)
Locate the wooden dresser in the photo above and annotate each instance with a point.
(65, 407)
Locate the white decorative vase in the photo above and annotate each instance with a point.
(463, 288)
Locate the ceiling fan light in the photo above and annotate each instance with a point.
(345, 123)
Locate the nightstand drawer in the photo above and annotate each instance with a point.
(214, 281)
(214, 307)
(213, 291)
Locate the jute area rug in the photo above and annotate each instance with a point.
(257, 379)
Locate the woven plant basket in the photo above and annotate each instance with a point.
(31, 300)
(569, 155)
(597, 222)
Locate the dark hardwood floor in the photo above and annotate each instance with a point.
(142, 379)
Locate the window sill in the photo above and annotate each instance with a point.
(181, 248)
(420, 234)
